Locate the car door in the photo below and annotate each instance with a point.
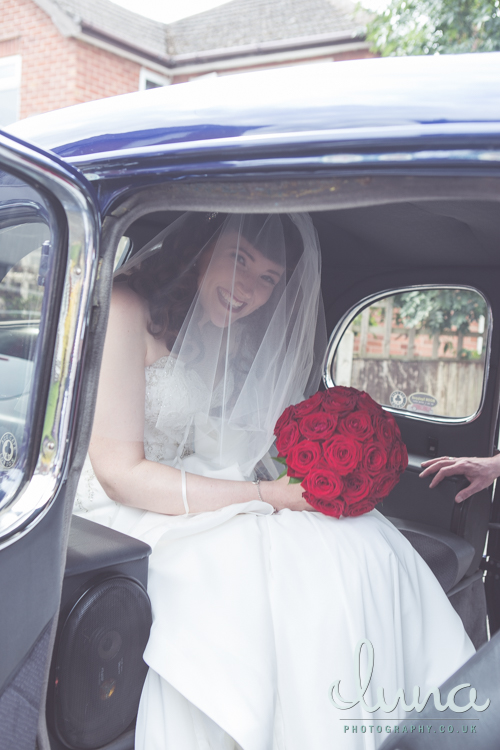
(443, 390)
(49, 232)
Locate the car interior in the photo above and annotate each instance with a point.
(398, 246)
(382, 237)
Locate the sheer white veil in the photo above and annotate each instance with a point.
(237, 299)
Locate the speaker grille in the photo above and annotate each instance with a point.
(99, 667)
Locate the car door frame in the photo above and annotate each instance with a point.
(34, 522)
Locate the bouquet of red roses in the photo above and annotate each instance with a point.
(344, 448)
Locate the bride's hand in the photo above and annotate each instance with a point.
(285, 495)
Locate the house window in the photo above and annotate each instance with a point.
(150, 80)
(10, 86)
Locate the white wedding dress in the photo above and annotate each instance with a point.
(257, 614)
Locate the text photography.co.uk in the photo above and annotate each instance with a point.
(362, 679)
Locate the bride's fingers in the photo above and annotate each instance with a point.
(307, 506)
(287, 495)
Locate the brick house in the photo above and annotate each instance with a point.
(55, 53)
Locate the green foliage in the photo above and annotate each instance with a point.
(428, 27)
(440, 309)
(280, 460)
(292, 480)
(468, 355)
(11, 303)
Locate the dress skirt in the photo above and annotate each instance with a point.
(256, 615)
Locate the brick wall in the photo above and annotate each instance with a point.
(100, 73)
(58, 71)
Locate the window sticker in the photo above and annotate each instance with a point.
(398, 399)
(8, 450)
(422, 402)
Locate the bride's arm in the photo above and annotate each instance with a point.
(117, 448)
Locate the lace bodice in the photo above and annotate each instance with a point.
(176, 395)
(173, 394)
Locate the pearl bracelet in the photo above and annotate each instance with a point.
(256, 482)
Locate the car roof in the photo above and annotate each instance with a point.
(360, 98)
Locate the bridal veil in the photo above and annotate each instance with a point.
(237, 300)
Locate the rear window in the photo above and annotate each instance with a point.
(422, 351)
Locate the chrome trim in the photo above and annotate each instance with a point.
(414, 155)
(335, 138)
(21, 512)
(355, 310)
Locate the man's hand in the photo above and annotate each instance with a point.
(480, 472)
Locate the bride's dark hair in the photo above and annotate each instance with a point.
(169, 279)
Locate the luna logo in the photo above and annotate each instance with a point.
(416, 705)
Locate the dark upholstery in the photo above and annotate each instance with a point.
(446, 554)
(438, 556)
(469, 600)
(20, 701)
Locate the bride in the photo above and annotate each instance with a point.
(258, 601)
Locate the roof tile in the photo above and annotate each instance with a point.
(234, 24)
(247, 22)
(115, 21)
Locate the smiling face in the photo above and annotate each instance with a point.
(235, 279)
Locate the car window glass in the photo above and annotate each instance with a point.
(422, 351)
(26, 234)
(122, 251)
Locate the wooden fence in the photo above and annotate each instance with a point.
(457, 386)
(379, 357)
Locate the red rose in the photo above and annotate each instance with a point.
(323, 483)
(394, 424)
(292, 473)
(311, 404)
(374, 458)
(340, 399)
(359, 509)
(285, 418)
(333, 507)
(398, 457)
(319, 426)
(386, 429)
(357, 424)
(366, 402)
(342, 454)
(288, 437)
(303, 457)
(384, 484)
(357, 487)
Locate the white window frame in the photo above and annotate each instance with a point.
(150, 75)
(13, 81)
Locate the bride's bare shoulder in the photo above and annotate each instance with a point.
(128, 304)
